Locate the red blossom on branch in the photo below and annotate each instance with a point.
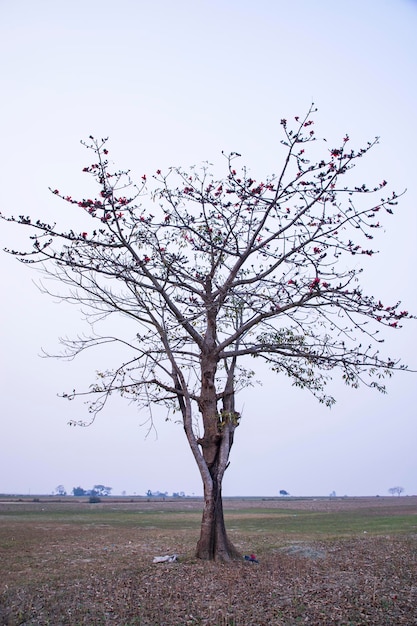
(314, 283)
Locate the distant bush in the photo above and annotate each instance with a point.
(94, 499)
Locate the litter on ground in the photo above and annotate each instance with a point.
(168, 558)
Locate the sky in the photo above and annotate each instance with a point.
(175, 83)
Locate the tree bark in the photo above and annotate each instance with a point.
(214, 543)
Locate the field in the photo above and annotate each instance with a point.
(349, 561)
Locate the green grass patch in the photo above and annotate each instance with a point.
(167, 520)
(263, 519)
(320, 524)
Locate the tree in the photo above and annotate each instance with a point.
(100, 490)
(283, 492)
(79, 491)
(215, 272)
(60, 490)
(396, 490)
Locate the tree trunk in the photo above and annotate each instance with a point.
(211, 454)
(215, 447)
(214, 544)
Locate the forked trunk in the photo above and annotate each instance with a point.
(214, 543)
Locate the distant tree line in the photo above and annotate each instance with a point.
(164, 494)
(101, 490)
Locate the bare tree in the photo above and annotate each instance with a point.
(213, 273)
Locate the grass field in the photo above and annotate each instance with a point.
(350, 561)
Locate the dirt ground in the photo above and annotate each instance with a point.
(69, 571)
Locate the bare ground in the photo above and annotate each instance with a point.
(69, 573)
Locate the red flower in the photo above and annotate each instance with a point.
(158, 172)
(144, 178)
(105, 151)
(83, 235)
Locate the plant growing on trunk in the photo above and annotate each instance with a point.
(214, 272)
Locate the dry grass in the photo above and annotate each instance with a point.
(347, 562)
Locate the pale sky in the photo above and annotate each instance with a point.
(175, 83)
